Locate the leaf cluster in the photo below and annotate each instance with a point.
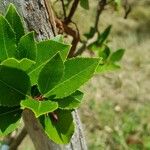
(110, 60)
(38, 76)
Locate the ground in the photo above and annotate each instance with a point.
(115, 111)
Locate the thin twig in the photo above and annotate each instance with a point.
(81, 50)
(17, 141)
(72, 11)
(127, 8)
(69, 31)
(75, 42)
(63, 26)
(100, 8)
(64, 10)
(73, 48)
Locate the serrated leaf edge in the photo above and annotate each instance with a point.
(73, 76)
(9, 111)
(36, 114)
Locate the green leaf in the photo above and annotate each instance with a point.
(104, 53)
(90, 34)
(118, 3)
(107, 67)
(58, 38)
(45, 51)
(15, 21)
(7, 40)
(117, 56)
(35, 91)
(101, 39)
(84, 4)
(24, 64)
(14, 85)
(104, 35)
(71, 102)
(77, 72)
(27, 47)
(60, 131)
(10, 119)
(39, 107)
(51, 74)
(94, 46)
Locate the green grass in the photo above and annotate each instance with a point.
(117, 127)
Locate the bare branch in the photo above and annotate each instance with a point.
(17, 141)
(64, 10)
(75, 33)
(100, 8)
(69, 31)
(72, 11)
(127, 8)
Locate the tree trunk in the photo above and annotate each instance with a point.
(39, 17)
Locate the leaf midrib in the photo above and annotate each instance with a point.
(13, 88)
(5, 113)
(4, 42)
(39, 66)
(70, 78)
(46, 87)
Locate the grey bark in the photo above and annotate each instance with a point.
(17, 141)
(39, 17)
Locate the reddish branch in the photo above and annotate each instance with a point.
(72, 11)
(39, 98)
(69, 31)
(100, 8)
(63, 26)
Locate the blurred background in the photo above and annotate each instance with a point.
(116, 107)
